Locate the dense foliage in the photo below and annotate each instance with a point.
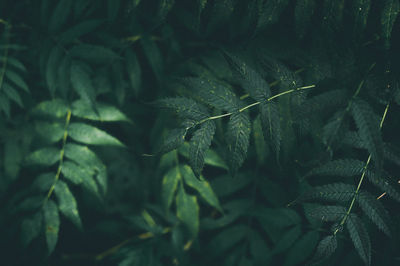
(220, 132)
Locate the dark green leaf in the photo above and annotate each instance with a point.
(187, 210)
(105, 112)
(90, 135)
(44, 156)
(359, 236)
(237, 139)
(67, 203)
(199, 144)
(31, 228)
(368, 129)
(202, 186)
(52, 224)
(169, 185)
(389, 14)
(326, 247)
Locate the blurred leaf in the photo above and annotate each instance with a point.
(44, 156)
(202, 186)
(31, 227)
(52, 224)
(169, 185)
(187, 210)
(134, 72)
(90, 135)
(67, 203)
(105, 112)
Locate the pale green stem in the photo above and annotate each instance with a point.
(64, 141)
(253, 104)
(361, 179)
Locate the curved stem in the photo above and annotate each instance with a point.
(253, 104)
(362, 177)
(64, 141)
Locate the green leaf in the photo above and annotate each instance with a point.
(94, 53)
(326, 247)
(53, 62)
(82, 83)
(169, 185)
(60, 15)
(199, 144)
(5, 104)
(225, 186)
(80, 175)
(12, 94)
(187, 210)
(14, 62)
(237, 138)
(112, 9)
(374, 209)
(67, 203)
(79, 30)
(368, 129)
(271, 124)
(303, 248)
(105, 112)
(337, 192)
(210, 157)
(303, 13)
(64, 74)
(173, 140)
(52, 224)
(384, 183)
(90, 135)
(16, 79)
(54, 108)
(326, 213)
(259, 141)
(288, 239)
(45, 156)
(359, 236)
(340, 167)
(12, 158)
(226, 239)
(214, 93)
(83, 156)
(186, 108)
(154, 57)
(134, 71)
(31, 228)
(249, 79)
(202, 186)
(389, 14)
(51, 132)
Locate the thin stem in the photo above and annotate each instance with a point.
(272, 84)
(64, 141)
(253, 104)
(362, 177)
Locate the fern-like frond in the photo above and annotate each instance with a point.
(368, 129)
(213, 93)
(374, 209)
(271, 124)
(249, 79)
(326, 213)
(185, 108)
(341, 167)
(173, 140)
(326, 247)
(336, 192)
(384, 183)
(359, 236)
(199, 144)
(237, 139)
